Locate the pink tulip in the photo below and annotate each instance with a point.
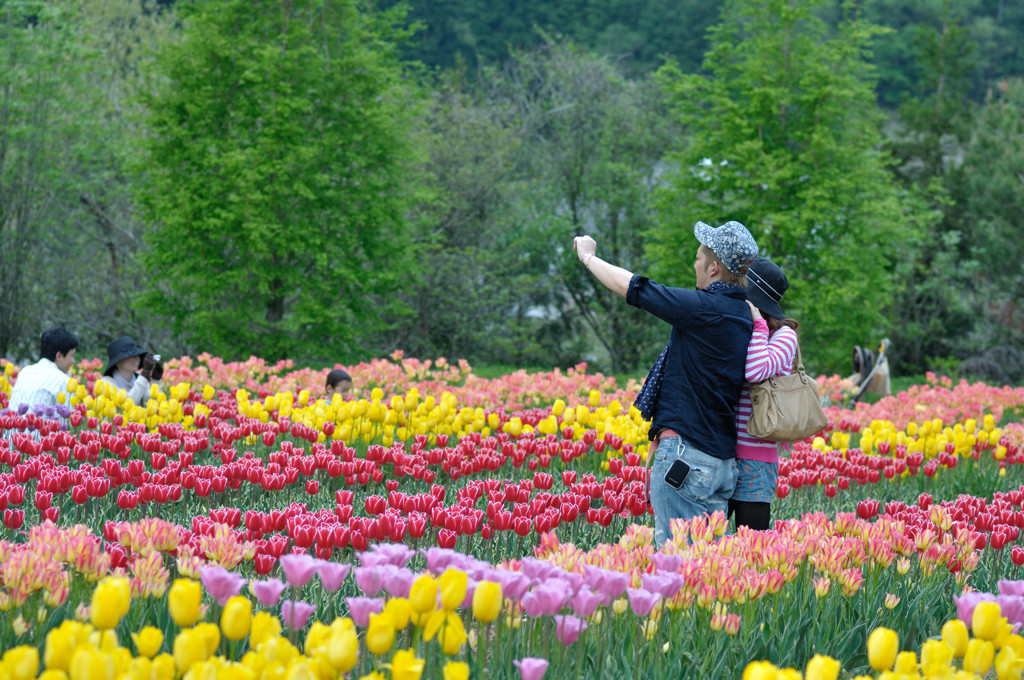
(642, 601)
(332, 575)
(568, 629)
(439, 559)
(369, 579)
(1012, 607)
(299, 568)
(1015, 588)
(966, 603)
(544, 600)
(665, 562)
(220, 583)
(531, 668)
(613, 586)
(513, 583)
(392, 553)
(585, 602)
(398, 582)
(295, 613)
(362, 607)
(666, 585)
(268, 592)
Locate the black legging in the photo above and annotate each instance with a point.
(754, 515)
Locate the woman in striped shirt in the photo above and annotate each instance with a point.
(771, 352)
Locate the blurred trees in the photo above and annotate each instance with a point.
(68, 236)
(282, 181)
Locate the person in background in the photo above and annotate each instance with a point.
(771, 352)
(691, 393)
(39, 385)
(338, 382)
(132, 368)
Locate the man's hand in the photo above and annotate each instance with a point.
(584, 246)
(755, 313)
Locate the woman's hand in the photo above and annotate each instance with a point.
(755, 313)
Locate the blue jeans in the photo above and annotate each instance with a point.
(707, 487)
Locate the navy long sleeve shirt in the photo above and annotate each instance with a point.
(704, 367)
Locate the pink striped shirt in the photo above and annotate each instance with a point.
(766, 357)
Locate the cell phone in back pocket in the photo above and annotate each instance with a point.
(676, 474)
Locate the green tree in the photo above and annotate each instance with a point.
(931, 318)
(784, 136)
(592, 141)
(992, 193)
(275, 171)
(482, 270)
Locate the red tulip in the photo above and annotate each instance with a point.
(14, 518)
(446, 539)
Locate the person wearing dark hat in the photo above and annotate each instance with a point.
(771, 352)
(131, 368)
(691, 393)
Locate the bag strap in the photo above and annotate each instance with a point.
(798, 361)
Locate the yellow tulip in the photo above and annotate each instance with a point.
(456, 670)
(22, 663)
(452, 635)
(148, 641)
(397, 609)
(236, 619)
(453, 588)
(405, 665)
(883, 646)
(300, 670)
(110, 601)
(954, 634)
(189, 649)
(423, 594)
(788, 674)
(264, 627)
(343, 649)
(211, 636)
(1003, 634)
(985, 620)
(163, 667)
(448, 628)
(141, 668)
(1009, 664)
(906, 663)
(760, 670)
(53, 675)
(183, 600)
(380, 636)
(88, 664)
(936, 659)
(978, 658)
(487, 600)
(822, 667)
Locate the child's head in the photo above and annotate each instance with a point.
(338, 382)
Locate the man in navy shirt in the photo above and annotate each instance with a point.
(691, 393)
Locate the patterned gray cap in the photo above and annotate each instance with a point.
(731, 242)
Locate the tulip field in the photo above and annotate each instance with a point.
(442, 525)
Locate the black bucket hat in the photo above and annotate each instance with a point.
(119, 349)
(768, 283)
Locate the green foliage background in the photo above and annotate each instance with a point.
(329, 180)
